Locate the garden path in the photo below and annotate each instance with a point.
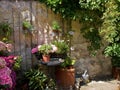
(102, 85)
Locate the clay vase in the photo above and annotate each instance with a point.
(65, 77)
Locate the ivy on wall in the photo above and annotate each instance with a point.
(110, 31)
(67, 8)
(96, 16)
(5, 31)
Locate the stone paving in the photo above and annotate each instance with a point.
(102, 85)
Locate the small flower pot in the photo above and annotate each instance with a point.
(45, 58)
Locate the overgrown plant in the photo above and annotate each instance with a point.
(45, 49)
(88, 12)
(56, 26)
(110, 31)
(27, 25)
(5, 31)
(69, 62)
(39, 81)
(62, 47)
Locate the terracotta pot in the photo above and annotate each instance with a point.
(116, 72)
(65, 77)
(46, 58)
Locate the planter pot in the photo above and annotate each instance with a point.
(46, 58)
(65, 77)
(116, 73)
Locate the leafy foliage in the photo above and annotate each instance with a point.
(45, 49)
(89, 13)
(27, 25)
(38, 80)
(67, 8)
(113, 50)
(115, 61)
(56, 26)
(110, 31)
(17, 63)
(68, 62)
(93, 4)
(5, 31)
(62, 47)
(111, 26)
(100, 20)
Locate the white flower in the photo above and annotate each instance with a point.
(39, 46)
(54, 48)
(9, 47)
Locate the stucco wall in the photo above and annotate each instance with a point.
(42, 17)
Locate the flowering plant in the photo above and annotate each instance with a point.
(62, 46)
(8, 65)
(5, 48)
(7, 70)
(45, 49)
(5, 78)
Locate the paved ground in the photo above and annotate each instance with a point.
(102, 85)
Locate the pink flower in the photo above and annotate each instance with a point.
(4, 46)
(12, 61)
(11, 57)
(5, 77)
(34, 50)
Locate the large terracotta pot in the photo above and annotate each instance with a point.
(65, 77)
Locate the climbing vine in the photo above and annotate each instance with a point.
(99, 18)
(110, 31)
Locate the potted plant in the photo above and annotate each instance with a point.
(45, 49)
(113, 50)
(56, 27)
(27, 25)
(65, 73)
(5, 31)
(62, 49)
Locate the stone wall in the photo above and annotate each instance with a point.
(96, 65)
(41, 17)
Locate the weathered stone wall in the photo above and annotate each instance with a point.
(96, 65)
(42, 17)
